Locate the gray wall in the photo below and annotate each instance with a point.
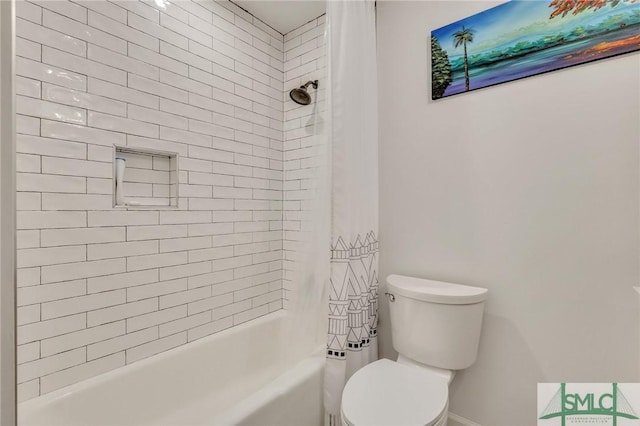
(528, 188)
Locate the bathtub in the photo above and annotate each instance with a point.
(240, 376)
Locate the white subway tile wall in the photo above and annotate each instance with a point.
(304, 60)
(99, 287)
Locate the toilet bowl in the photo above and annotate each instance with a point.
(435, 327)
(387, 393)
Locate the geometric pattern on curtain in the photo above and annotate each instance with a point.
(353, 295)
(353, 316)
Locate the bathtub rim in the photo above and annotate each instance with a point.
(40, 402)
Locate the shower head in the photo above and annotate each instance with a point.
(300, 95)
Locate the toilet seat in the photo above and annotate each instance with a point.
(386, 393)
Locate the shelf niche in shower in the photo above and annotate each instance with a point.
(149, 181)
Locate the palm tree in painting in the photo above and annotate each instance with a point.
(463, 37)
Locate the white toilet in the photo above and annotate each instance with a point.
(435, 327)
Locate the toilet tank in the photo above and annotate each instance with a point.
(435, 323)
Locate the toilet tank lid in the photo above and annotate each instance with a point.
(435, 291)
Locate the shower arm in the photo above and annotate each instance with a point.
(314, 83)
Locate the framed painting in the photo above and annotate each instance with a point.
(523, 38)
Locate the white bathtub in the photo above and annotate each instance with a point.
(240, 376)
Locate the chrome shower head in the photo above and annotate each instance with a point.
(300, 95)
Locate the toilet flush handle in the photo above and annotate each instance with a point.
(391, 297)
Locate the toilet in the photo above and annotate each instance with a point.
(435, 328)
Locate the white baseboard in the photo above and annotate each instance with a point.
(456, 420)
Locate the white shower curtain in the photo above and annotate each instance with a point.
(353, 291)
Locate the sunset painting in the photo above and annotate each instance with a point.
(522, 38)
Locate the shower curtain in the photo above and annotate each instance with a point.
(353, 287)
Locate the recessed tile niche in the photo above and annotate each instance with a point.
(150, 179)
